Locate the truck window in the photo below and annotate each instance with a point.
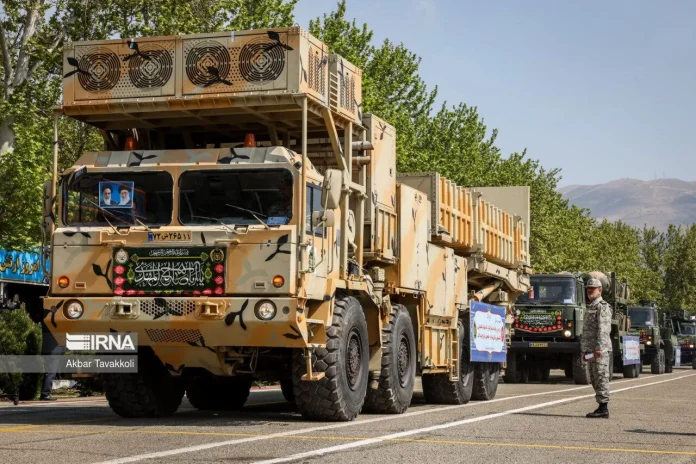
(641, 317)
(313, 204)
(550, 290)
(119, 198)
(687, 328)
(242, 196)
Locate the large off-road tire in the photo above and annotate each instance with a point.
(439, 389)
(513, 369)
(398, 375)
(669, 367)
(658, 363)
(211, 392)
(340, 395)
(535, 374)
(485, 381)
(151, 392)
(581, 370)
(631, 371)
(288, 389)
(693, 363)
(611, 367)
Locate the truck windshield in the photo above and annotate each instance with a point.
(243, 196)
(550, 290)
(118, 199)
(641, 317)
(687, 328)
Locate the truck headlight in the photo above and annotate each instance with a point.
(567, 333)
(74, 310)
(648, 343)
(265, 310)
(691, 346)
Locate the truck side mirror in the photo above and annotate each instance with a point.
(331, 188)
(325, 218)
(48, 219)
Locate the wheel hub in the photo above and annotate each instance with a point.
(404, 360)
(353, 360)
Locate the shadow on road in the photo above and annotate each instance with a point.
(655, 432)
(546, 415)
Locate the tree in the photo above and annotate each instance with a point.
(680, 268)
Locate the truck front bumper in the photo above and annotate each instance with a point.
(542, 346)
(182, 322)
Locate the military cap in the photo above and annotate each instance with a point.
(593, 283)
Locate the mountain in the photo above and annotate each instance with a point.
(656, 203)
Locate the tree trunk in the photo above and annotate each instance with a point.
(7, 136)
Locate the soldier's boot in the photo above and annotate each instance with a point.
(601, 412)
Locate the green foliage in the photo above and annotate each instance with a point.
(19, 335)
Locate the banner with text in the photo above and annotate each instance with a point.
(487, 328)
(631, 350)
(24, 267)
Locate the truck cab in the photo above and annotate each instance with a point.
(657, 341)
(547, 329)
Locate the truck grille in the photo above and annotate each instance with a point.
(176, 307)
(174, 335)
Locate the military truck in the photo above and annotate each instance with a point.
(246, 221)
(658, 342)
(685, 330)
(547, 326)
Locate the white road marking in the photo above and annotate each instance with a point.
(371, 441)
(237, 441)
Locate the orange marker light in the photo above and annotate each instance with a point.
(278, 281)
(249, 140)
(63, 282)
(130, 144)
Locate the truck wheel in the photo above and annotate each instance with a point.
(581, 370)
(485, 381)
(657, 364)
(151, 392)
(545, 374)
(398, 375)
(287, 388)
(340, 395)
(535, 374)
(439, 389)
(568, 372)
(513, 369)
(693, 363)
(611, 367)
(524, 375)
(669, 367)
(212, 392)
(630, 371)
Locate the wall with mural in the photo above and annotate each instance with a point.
(24, 267)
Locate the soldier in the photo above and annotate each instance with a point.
(596, 342)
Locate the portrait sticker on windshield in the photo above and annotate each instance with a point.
(116, 194)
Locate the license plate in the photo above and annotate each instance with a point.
(169, 236)
(538, 345)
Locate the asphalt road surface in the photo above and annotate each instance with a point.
(653, 419)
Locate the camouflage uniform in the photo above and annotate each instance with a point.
(595, 336)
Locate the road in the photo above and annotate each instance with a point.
(652, 420)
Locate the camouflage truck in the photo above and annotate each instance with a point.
(246, 221)
(685, 330)
(547, 326)
(657, 338)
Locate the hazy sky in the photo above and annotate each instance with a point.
(603, 90)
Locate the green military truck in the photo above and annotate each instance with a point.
(547, 328)
(685, 331)
(658, 341)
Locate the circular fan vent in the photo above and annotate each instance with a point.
(202, 58)
(261, 60)
(103, 70)
(156, 71)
